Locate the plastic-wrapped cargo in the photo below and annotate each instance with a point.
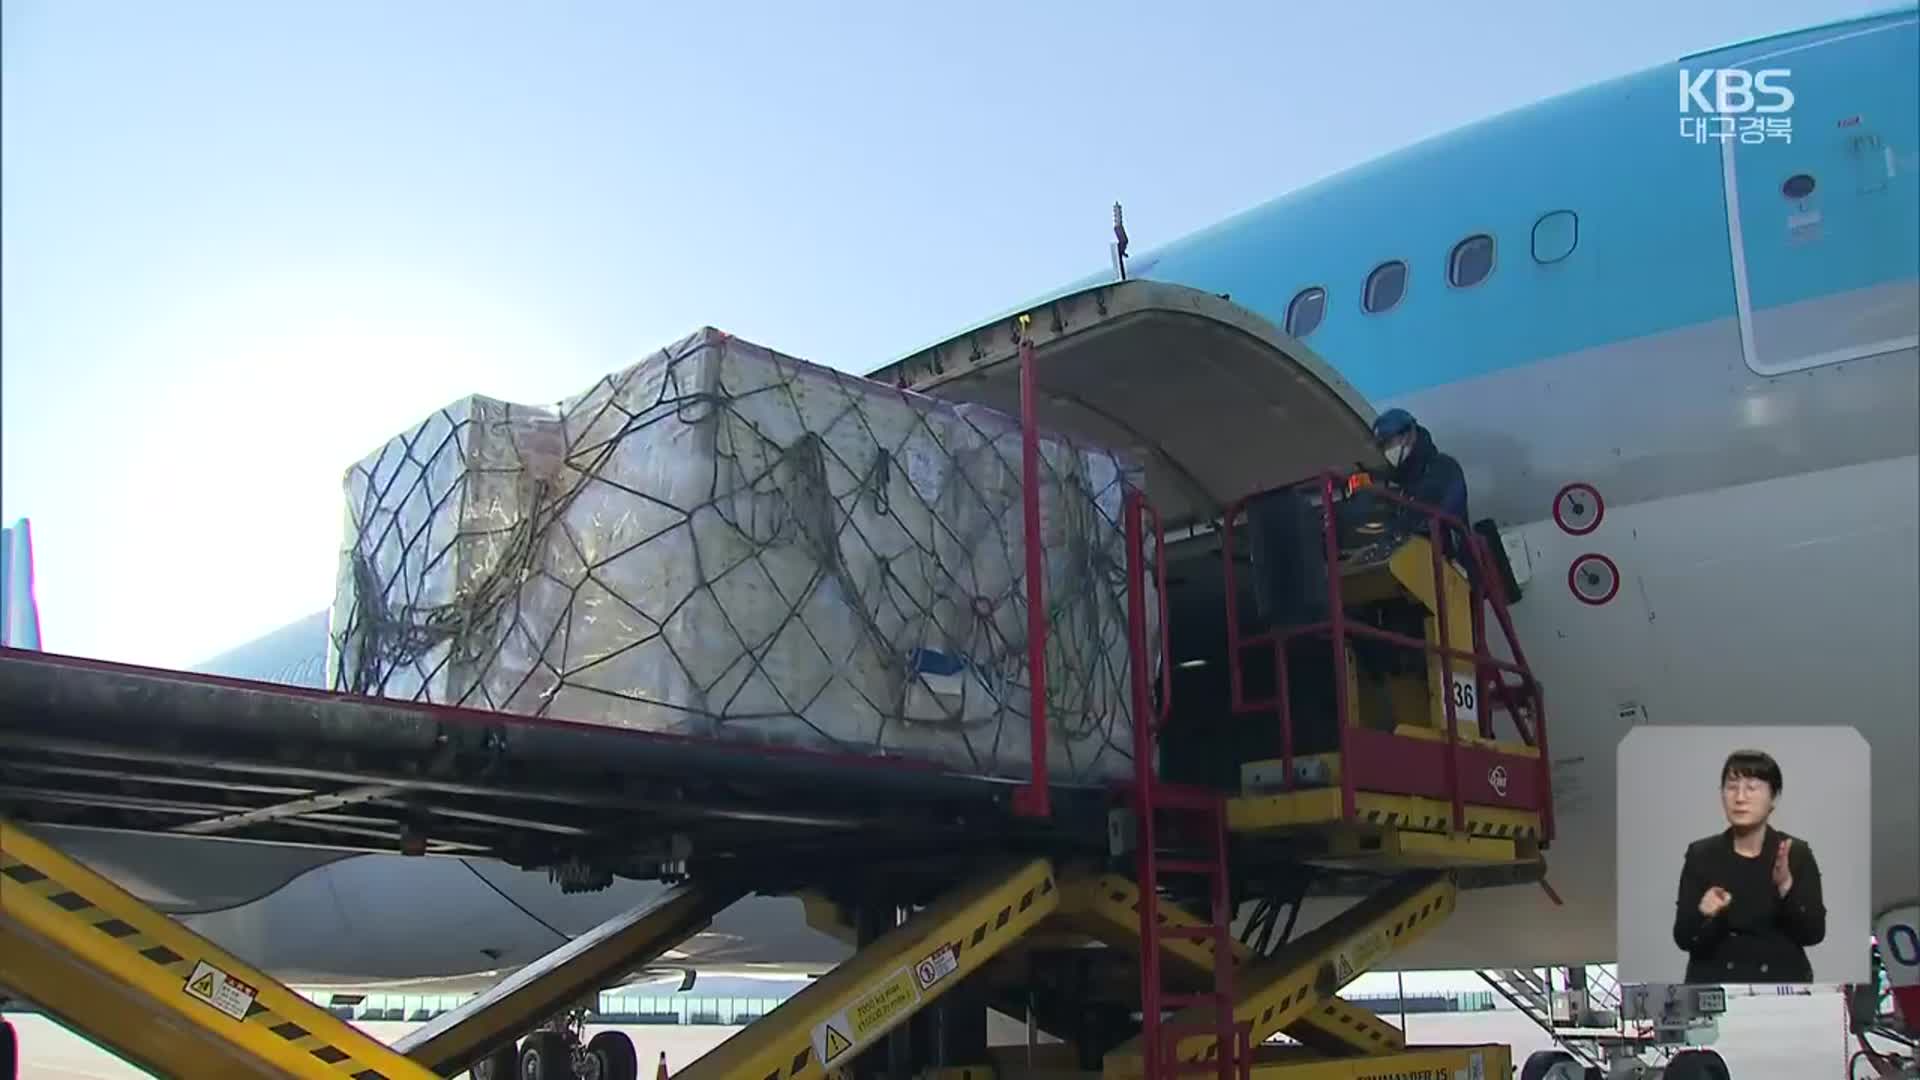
(727, 542)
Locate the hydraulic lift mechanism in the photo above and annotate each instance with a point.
(140, 984)
(1342, 745)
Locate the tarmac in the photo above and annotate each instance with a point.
(1761, 1038)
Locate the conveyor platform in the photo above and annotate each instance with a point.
(107, 746)
(111, 746)
(1104, 915)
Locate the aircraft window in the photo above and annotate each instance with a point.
(1306, 311)
(1471, 262)
(1385, 286)
(1555, 236)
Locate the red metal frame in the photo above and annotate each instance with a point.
(1378, 761)
(1205, 812)
(1032, 800)
(1149, 797)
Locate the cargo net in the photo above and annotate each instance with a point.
(727, 542)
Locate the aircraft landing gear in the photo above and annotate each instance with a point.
(1552, 1065)
(545, 1055)
(502, 1064)
(557, 1053)
(610, 1056)
(1697, 1065)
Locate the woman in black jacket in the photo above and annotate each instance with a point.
(1749, 903)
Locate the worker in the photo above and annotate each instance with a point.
(1421, 472)
(1749, 904)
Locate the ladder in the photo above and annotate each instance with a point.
(1194, 842)
(1594, 1032)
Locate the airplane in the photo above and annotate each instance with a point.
(1720, 338)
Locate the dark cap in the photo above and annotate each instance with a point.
(1392, 424)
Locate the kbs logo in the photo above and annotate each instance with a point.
(1734, 91)
(1722, 102)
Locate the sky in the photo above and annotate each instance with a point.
(244, 244)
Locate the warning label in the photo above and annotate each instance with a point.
(873, 1014)
(1360, 954)
(941, 964)
(836, 1044)
(221, 990)
(876, 1012)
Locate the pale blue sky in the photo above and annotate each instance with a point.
(244, 243)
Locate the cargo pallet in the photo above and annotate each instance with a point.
(1105, 915)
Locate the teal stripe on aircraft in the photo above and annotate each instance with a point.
(1653, 250)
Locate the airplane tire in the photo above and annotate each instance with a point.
(1551, 1065)
(1697, 1065)
(9, 1052)
(502, 1064)
(615, 1054)
(545, 1055)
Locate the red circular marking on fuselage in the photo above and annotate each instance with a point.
(1599, 508)
(1573, 575)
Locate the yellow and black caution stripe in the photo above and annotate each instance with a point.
(1318, 807)
(88, 952)
(880, 987)
(1108, 908)
(1341, 1027)
(1296, 985)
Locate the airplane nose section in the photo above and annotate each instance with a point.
(374, 918)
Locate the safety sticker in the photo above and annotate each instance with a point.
(221, 990)
(1360, 954)
(837, 1044)
(941, 964)
(873, 1014)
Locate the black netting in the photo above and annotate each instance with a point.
(727, 542)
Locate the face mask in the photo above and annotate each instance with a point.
(1396, 454)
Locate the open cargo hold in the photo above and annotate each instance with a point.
(727, 542)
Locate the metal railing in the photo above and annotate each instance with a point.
(1523, 701)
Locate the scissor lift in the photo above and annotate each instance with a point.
(1106, 916)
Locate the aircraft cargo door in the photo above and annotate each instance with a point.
(1823, 200)
(1214, 401)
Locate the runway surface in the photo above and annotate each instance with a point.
(1762, 1038)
